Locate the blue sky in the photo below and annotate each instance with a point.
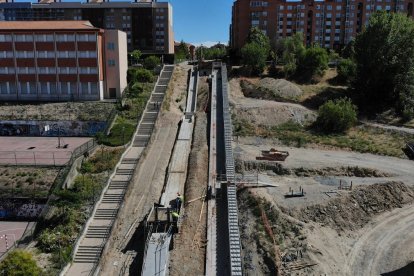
(201, 21)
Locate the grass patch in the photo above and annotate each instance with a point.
(104, 160)
(360, 139)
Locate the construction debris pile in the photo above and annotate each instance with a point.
(355, 209)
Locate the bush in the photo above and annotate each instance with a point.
(19, 262)
(139, 75)
(337, 116)
(346, 70)
(151, 62)
(143, 75)
(314, 61)
(254, 58)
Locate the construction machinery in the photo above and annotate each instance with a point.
(273, 155)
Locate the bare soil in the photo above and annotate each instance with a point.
(188, 255)
(367, 228)
(266, 112)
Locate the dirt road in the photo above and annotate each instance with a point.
(385, 245)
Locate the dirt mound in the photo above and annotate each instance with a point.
(278, 169)
(356, 209)
(271, 89)
(275, 115)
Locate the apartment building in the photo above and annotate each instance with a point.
(329, 23)
(61, 61)
(148, 24)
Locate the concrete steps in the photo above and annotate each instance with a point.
(88, 254)
(105, 214)
(124, 171)
(98, 232)
(114, 185)
(112, 198)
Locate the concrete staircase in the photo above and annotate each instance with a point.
(91, 244)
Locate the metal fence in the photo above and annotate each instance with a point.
(44, 158)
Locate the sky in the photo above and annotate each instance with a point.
(201, 21)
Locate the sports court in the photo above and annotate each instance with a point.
(10, 232)
(39, 150)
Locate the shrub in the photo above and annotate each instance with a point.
(19, 262)
(151, 62)
(143, 75)
(346, 70)
(337, 116)
(139, 75)
(314, 61)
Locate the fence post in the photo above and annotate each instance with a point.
(15, 158)
(54, 162)
(34, 158)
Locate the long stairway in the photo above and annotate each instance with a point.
(92, 242)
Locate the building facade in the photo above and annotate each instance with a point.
(148, 24)
(61, 61)
(330, 23)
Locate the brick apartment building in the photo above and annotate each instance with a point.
(148, 24)
(330, 23)
(61, 61)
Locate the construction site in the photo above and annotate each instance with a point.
(209, 186)
(199, 199)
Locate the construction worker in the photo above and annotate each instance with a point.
(178, 201)
(175, 215)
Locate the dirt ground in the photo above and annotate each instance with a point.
(188, 255)
(266, 112)
(148, 181)
(26, 181)
(377, 240)
(82, 111)
(330, 230)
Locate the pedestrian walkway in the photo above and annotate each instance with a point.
(91, 244)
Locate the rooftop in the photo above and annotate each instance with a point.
(46, 25)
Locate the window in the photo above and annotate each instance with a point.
(6, 54)
(24, 88)
(64, 88)
(5, 38)
(84, 88)
(86, 37)
(23, 37)
(387, 8)
(24, 54)
(378, 8)
(281, 7)
(43, 88)
(329, 7)
(289, 7)
(338, 8)
(52, 88)
(111, 62)
(111, 46)
(3, 88)
(94, 88)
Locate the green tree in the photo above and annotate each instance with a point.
(336, 116)
(151, 62)
(257, 36)
(136, 55)
(182, 52)
(384, 54)
(19, 263)
(254, 58)
(292, 51)
(346, 70)
(313, 62)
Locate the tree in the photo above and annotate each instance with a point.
(257, 36)
(292, 51)
(136, 55)
(151, 62)
(254, 58)
(313, 62)
(346, 70)
(336, 116)
(182, 52)
(19, 263)
(384, 54)
(255, 51)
